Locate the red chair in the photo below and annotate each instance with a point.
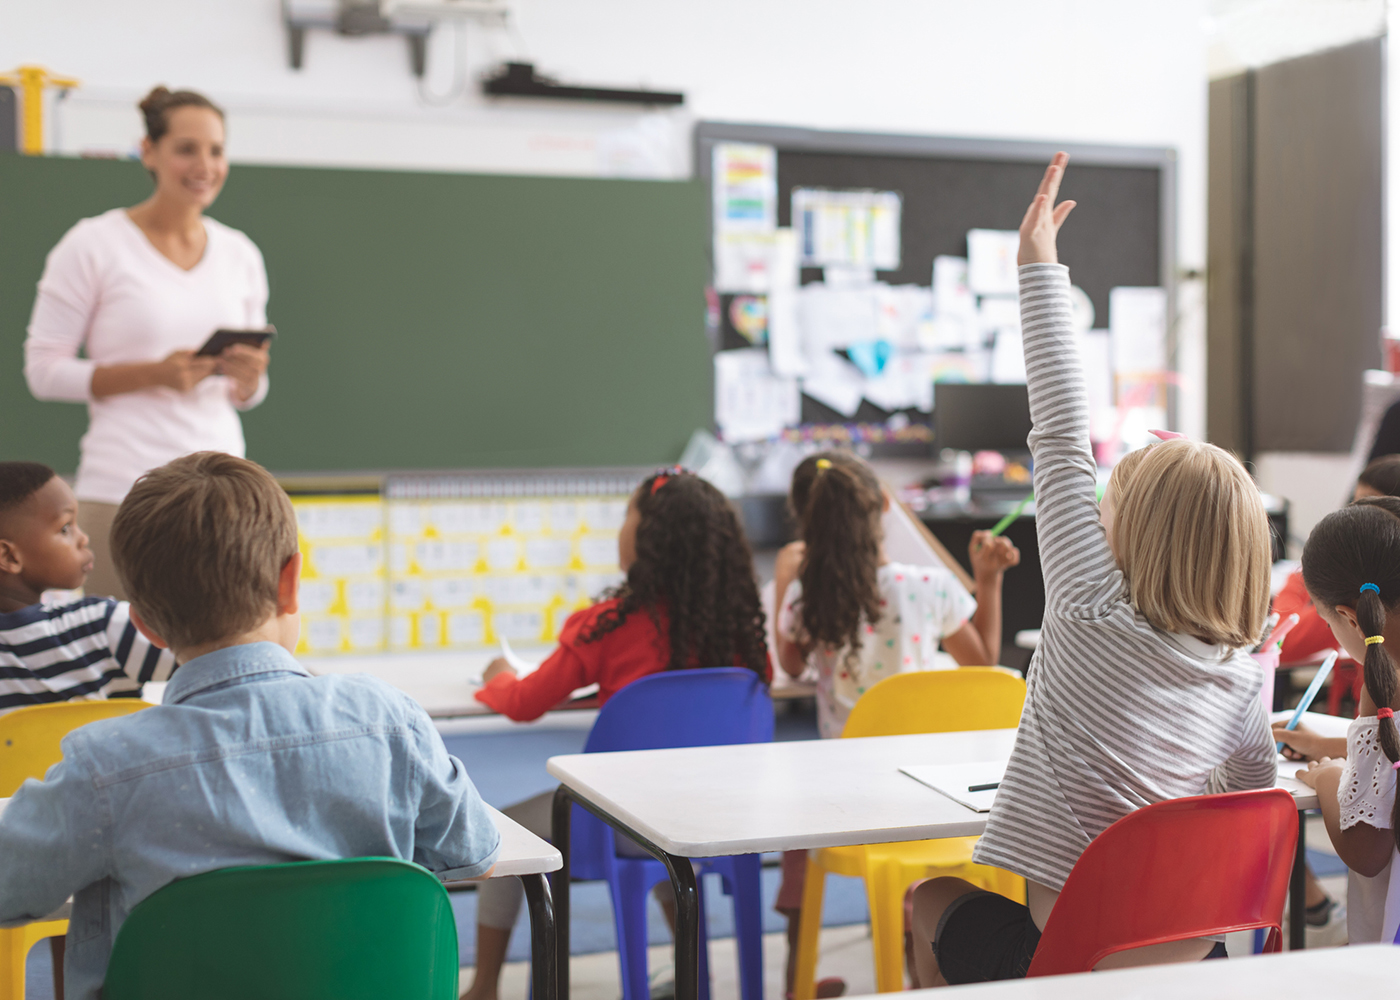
(1186, 868)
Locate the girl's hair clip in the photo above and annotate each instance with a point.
(1384, 713)
(822, 465)
(1371, 587)
(1395, 766)
(664, 476)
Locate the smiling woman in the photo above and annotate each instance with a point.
(136, 291)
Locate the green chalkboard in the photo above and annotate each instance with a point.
(425, 320)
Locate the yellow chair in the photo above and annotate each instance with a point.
(937, 701)
(29, 746)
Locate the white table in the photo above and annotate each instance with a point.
(1370, 970)
(749, 798)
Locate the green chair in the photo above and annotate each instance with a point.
(358, 929)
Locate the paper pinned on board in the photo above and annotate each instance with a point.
(836, 317)
(1008, 356)
(746, 187)
(744, 262)
(957, 781)
(834, 382)
(1096, 353)
(903, 383)
(855, 228)
(752, 403)
(991, 261)
(784, 331)
(1138, 322)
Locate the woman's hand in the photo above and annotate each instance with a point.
(991, 555)
(245, 366)
(1320, 768)
(183, 370)
(1044, 218)
(497, 667)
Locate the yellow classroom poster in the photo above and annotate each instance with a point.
(342, 595)
(464, 572)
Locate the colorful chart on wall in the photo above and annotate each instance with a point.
(341, 539)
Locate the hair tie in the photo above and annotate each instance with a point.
(1384, 713)
(822, 465)
(1371, 587)
(663, 476)
(1395, 766)
(1371, 640)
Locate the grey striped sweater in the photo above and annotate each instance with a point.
(1118, 715)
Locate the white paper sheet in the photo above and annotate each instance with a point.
(1096, 352)
(751, 403)
(991, 261)
(954, 780)
(833, 382)
(836, 317)
(857, 228)
(899, 309)
(904, 382)
(746, 187)
(994, 312)
(784, 328)
(744, 262)
(1138, 320)
(1008, 356)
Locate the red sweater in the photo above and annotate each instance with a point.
(1311, 634)
(633, 650)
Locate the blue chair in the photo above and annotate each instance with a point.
(682, 708)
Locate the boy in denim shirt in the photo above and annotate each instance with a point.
(250, 760)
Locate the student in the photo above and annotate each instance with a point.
(86, 648)
(861, 618)
(1381, 478)
(249, 760)
(1351, 564)
(689, 600)
(1141, 687)
(836, 586)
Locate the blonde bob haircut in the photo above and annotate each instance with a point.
(1192, 539)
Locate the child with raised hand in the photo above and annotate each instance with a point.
(689, 600)
(859, 618)
(1142, 689)
(83, 649)
(1351, 565)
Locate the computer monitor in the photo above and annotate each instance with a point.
(981, 417)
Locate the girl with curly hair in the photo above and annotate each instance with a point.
(689, 600)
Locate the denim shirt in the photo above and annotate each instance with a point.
(249, 761)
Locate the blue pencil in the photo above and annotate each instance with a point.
(1311, 692)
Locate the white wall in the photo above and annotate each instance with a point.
(1056, 70)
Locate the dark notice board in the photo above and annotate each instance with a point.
(1121, 233)
(425, 320)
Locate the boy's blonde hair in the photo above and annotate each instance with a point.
(200, 544)
(1192, 539)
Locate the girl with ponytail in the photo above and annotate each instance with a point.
(1351, 565)
(859, 618)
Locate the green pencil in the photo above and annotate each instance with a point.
(1005, 522)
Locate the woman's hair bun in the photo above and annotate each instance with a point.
(157, 105)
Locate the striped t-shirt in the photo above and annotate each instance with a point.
(1118, 714)
(87, 648)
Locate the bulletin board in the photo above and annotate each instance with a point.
(1121, 234)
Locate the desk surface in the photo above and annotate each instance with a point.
(1365, 970)
(749, 798)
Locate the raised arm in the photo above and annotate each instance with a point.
(1079, 568)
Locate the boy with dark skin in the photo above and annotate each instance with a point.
(41, 547)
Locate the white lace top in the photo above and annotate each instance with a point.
(1367, 795)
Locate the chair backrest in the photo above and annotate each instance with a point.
(30, 736)
(939, 701)
(358, 929)
(685, 708)
(1185, 868)
(676, 708)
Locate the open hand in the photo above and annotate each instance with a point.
(245, 365)
(183, 370)
(991, 555)
(1044, 218)
(1316, 769)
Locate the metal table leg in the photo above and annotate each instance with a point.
(543, 966)
(682, 881)
(1297, 890)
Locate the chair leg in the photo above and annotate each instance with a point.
(884, 888)
(14, 948)
(748, 924)
(809, 929)
(629, 899)
(704, 966)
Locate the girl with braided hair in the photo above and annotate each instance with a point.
(1351, 565)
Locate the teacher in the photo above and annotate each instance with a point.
(137, 291)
